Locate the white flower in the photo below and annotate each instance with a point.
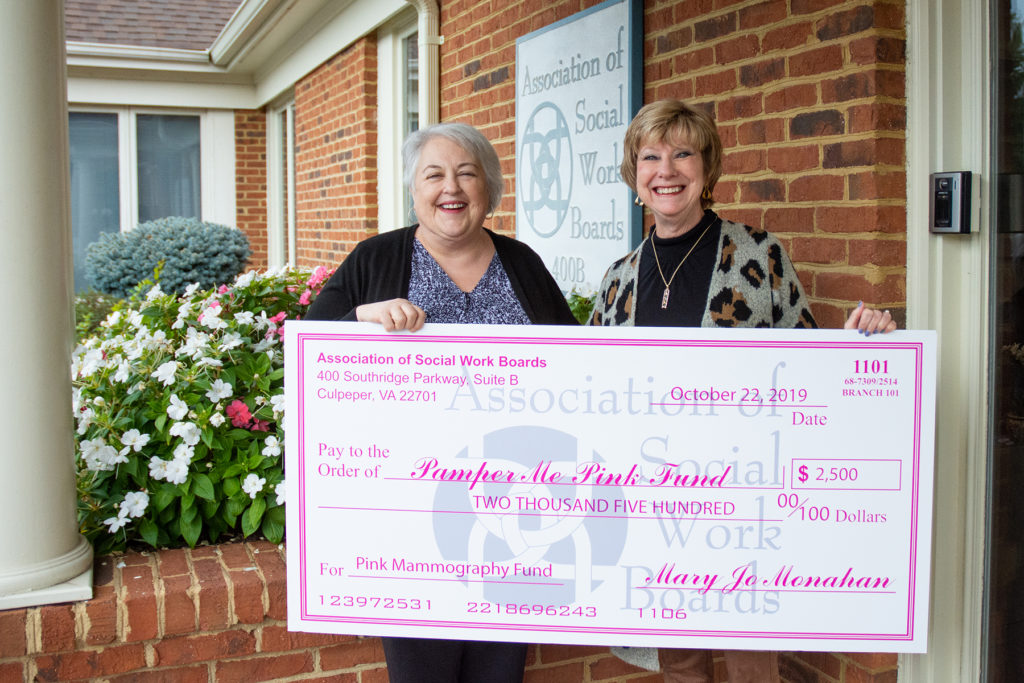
(158, 468)
(155, 340)
(135, 319)
(217, 419)
(278, 404)
(91, 362)
(133, 348)
(184, 452)
(154, 293)
(211, 318)
(85, 420)
(245, 318)
(177, 471)
(195, 344)
(280, 491)
(98, 456)
(213, 362)
(273, 448)
(262, 322)
(265, 344)
(124, 370)
(218, 390)
(178, 408)
(135, 503)
(165, 373)
(89, 447)
(100, 401)
(188, 432)
(116, 523)
(134, 439)
(230, 341)
(111, 319)
(253, 484)
(246, 279)
(190, 290)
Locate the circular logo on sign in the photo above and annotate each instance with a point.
(545, 169)
(561, 532)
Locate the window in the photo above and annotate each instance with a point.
(130, 166)
(95, 195)
(281, 184)
(398, 95)
(168, 166)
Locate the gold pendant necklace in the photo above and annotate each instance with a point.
(668, 282)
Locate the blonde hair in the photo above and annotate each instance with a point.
(674, 119)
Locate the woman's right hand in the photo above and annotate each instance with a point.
(393, 315)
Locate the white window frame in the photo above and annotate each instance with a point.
(281, 223)
(391, 210)
(216, 161)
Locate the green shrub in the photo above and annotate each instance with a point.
(581, 306)
(178, 403)
(91, 308)
(190, 251)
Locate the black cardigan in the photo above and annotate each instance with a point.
(379, 268)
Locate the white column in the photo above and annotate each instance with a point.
(43, 558)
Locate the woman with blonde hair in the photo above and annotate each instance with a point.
(696, 269)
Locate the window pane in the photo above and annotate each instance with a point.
(411, 88)
(94, 184)
(1005, 657)
(168, 166)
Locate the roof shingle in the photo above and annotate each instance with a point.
(182, 24)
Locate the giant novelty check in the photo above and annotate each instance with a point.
(732, 488)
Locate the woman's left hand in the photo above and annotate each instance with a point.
(870, 321)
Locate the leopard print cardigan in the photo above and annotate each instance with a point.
(753, 284)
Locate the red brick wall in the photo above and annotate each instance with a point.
(809, 98)
(219, 613)
(336, 155)
(251, 182)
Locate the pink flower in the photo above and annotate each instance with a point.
(279, 317)
(222, 289)
(317, 278)
(239, 413)
(260, 426)
(304, 299)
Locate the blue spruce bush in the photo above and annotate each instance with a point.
(191, 251)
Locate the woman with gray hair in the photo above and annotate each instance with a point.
(448, 268)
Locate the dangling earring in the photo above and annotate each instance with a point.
(705, 193)
(637, 201)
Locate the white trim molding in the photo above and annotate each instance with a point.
(948, 128)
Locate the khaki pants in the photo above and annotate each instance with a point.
(695, 666)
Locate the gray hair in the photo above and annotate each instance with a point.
(468, 138)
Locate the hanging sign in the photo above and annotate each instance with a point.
(578, 84)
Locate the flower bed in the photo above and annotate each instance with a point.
(179, 404)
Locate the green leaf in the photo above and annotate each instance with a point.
(202, 486)
(236, 504)
(273, 524)
(160, 421)
(149, 531)
(188, 513)
(153, 312)
(190, 530)
(251, 518)
(207, 436)
(164, 496)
